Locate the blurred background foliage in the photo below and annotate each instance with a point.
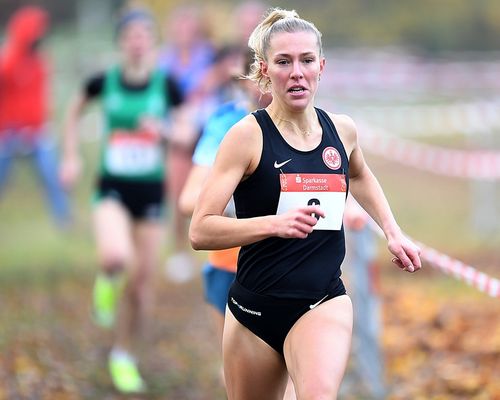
(428, 26)
(441, 338)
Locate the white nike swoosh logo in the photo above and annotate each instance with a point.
(276, 165)
(317, 303)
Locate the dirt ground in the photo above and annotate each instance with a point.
(441, 340)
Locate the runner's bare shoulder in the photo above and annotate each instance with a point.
(346, 129)
(243, 143)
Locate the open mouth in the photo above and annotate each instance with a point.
(296, 89)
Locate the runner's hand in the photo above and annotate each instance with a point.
(69, 171)
(407, 253)
(298, 223)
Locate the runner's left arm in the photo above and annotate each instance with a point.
(366, 189)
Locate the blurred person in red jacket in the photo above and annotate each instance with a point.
(24, 105)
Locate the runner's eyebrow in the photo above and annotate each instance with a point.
(306, 54)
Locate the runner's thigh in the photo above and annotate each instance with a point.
(317, 348)
(113, 232)
(149, 237)
(252, 369)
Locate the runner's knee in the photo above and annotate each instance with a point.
(317, 388)
(114, 261)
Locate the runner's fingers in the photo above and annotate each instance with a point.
(398, 262)
(301, 222)
(317, 211)
(306, 227)
(415, 258)
(307, 219)
(403, 262)
(297, 229)
(300, 233)
(410, 256)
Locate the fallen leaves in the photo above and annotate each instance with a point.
(440, 347)
(439, 344)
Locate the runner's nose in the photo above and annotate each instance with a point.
(296, 71)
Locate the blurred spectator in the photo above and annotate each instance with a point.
(188, 56)
(128, 215)
(24, 105)
(188, 53)
(247, 15)
(360, 271)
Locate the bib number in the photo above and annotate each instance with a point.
(327, 191)
(132, 154)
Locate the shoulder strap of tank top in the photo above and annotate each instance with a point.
(325, 119)
(263, 119)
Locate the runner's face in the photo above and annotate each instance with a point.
(293, 65)
(137, 41)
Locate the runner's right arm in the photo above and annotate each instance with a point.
(237, 158)
(197, 176)
(71, 162)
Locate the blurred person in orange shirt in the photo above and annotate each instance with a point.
(24, 105)
(219, 272)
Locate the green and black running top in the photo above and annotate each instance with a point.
(127, 152)
(287, 178)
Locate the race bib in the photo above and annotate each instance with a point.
(328, 191)
(132, 154)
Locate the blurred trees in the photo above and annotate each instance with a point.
(428, 25)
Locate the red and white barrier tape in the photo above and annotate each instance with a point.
(466, 118)
(478, 164)
(365, 71)
(460, 271)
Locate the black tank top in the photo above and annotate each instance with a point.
(289, 268)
